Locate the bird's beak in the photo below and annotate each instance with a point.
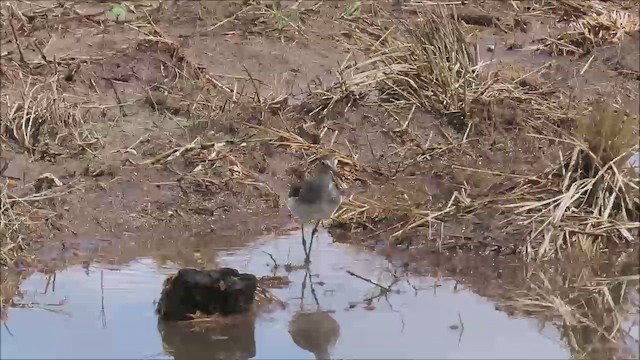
(334, 166)
(336, 175)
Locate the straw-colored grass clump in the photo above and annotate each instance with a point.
(608, 140)
(39, 114)
(588, 202)
(10, 238)
(428, 63)
(592, 198)
(590, 24)
(609, 135)
(592, 313)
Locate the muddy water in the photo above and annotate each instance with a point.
(108, 312)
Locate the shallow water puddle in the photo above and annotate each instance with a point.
(103, 312)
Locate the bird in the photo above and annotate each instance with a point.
(315, 198)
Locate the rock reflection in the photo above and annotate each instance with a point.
(229, 338)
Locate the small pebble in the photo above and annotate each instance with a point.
(491, 48)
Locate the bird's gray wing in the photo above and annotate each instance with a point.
(312, 191)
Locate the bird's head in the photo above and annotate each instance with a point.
(330, 163)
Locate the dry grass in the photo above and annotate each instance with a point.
(216, 164)
(14, 215)
(609, 134)
(430, 65)
(609, 139)
(11, 239)
(429, 62)
(295, 143)
(590, 24)
(593, 314)
(42, 115)
(16, 211)
(36, 119)
(10, 281)
(541, 105)
(594, 201)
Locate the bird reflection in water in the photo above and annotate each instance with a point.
(314, 331)
(233, 339)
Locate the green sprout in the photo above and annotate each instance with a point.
(280, 17)
(352, 10)
(118, 11)
(90, 157)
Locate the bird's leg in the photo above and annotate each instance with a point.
(313, 291)
(307, 253)
(313, 233)
(304, 286)
(304, 241)
(315, 230)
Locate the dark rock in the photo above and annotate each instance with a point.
(223, 291)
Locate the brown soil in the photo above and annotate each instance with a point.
(181, 73)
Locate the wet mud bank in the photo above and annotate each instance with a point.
(346, 303)
(308, 313)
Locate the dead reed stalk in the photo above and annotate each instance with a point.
(596, 201)
(39, 113)
(591, 313)
(11, 241)
(590, 24)
(428, 62)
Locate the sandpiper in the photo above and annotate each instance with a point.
(315, 199)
